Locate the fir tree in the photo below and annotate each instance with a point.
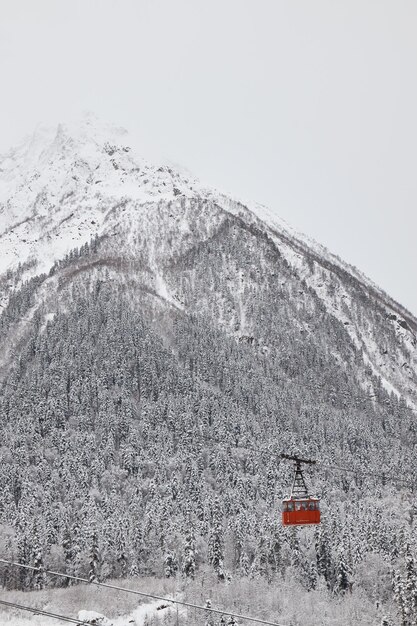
(171, 565)
(343, 573)
(94, 562)
(188, 561)
(216, 550)
(39, 576)
(401, 600)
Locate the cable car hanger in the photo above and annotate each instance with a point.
(300, 508)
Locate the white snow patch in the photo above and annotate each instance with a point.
(92, 617)
(137, 617)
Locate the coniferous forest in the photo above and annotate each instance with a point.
(152, 376)
(143, 440)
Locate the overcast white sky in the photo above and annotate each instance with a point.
(308, 106)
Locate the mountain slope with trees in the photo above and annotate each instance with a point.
(154, 368)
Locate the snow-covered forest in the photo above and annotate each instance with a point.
(152, 375)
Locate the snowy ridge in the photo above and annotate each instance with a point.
(59, 186)
(318, 274)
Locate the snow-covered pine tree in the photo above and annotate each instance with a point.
(68, 554)
(244, 565)
(400, 599)
(38, 577)
(94, 562)
(323, 558)
(343, 573)
(312, 576)
(170, 564)
(216, 543)
(188, 560)
(121, 551)
(410, 585)
(23, 557)
(260, 562)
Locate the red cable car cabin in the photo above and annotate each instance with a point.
(300, 508)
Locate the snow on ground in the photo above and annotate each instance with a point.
(137, 617)
(152, 609)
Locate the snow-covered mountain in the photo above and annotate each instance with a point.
(65, 186)
(162, 343)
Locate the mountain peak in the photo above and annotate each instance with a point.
(90, 129)
(58, 186)
(82, 136)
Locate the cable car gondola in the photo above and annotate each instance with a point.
(300, 508)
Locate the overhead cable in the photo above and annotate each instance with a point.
(31, 609)
(387, 478)
(141, 593)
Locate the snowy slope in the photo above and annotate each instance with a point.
(139, 616)
(58, 187)
(62, 187)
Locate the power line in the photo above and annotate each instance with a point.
(381, 475)
(30, 609)
(142, 593)
(384, 477)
